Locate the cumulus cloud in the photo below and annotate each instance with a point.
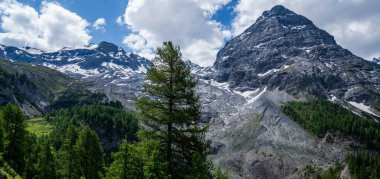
(119, 20)
(186, 23)
(354, 23)
(52, 28)
(99, 24)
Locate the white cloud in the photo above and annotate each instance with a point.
(119, 20)
(355, 24)
(52, 28)
(211, 6)
(99, 24)
(184, 22)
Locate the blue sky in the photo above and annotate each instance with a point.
(110, 10)
(90, 10)
(200, 27)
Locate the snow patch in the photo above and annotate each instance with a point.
(274, 70)
(259, 45)
(76, 69)
(142, 69)
(246, 94)
(298, 27)
(328, 65)
(224, 85)
(33, 51)
(362, 107)
(333, 98)
(225, 57)
(257, 96)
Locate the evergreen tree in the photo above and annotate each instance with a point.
(172, 110)
(219, 174)
(90, 154)
(70, 167)
(46, 161)
(201, 167)
(1, 135)
(128, 163)
(154, 166)
(15, 135)
(31, 167)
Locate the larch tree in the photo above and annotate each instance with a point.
(70, 167)
(15, 135)
(90, 154)
(171, 110)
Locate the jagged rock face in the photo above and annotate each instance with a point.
(377, 60)
(287, 51)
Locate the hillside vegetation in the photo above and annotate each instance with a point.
(37, 89)
(319, 117)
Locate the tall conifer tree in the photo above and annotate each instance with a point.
(90, 154)
(70, 167)
(15, 134)
(172, 110)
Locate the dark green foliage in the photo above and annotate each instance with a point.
(319, 117)
(78, 95)
(172, 111)
(364, 164)
(46, 162)
(155, 167)
(2, 140)
(219, 174)
(15, 135)
(68, 157)
(128, 163)
(201, 167)
(110, 123)
(31, 168)
(90, 154)
(331, 173)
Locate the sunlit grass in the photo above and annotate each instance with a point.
(39, 126)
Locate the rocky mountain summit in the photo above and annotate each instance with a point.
(286, 51)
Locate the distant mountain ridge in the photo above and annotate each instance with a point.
(87, 61)
(107, 67)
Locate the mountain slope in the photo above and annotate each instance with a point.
(37, 89)
(107, 67)
(32, 87)
(283, 57)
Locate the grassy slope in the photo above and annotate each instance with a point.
(45, 79)
(39, 127)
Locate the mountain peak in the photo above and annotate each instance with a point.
(107, 47)
(278, 10)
